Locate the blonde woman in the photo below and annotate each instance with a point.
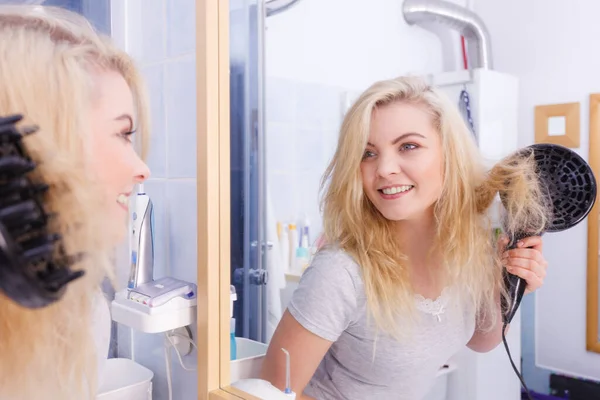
(87, 98)
(411, 273)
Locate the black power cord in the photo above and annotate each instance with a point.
(512, 362)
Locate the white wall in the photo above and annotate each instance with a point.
(550, 46)
(351, 44)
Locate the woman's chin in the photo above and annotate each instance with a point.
(117, 229)
(394, 215)
(120, 236)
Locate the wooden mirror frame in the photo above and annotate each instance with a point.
(213, 191)
(212, 133)
(592, 330)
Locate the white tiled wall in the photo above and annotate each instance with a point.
(302, 129)
(160, 34)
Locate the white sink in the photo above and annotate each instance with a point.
(250, 355)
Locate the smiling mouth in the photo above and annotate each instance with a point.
(390, 191)
(123, 201)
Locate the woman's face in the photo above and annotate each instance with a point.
(114, 160)
(402, 164)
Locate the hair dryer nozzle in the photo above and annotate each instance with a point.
(569, 186)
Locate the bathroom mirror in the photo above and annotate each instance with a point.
(593, 277)
(288, 89)
(271, 96)
(278, 97)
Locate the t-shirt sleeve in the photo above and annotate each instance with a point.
(325, 301)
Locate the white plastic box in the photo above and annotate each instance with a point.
(124, 379)
(174, 314)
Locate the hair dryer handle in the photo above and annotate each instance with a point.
(515, 286)
(516, 289)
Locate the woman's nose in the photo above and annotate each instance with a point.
(142, 172)
(388, 165)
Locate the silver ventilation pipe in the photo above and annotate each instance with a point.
(465, 21)
(274, 7)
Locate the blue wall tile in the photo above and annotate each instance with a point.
(157, 156)
(182, 216)
(181, 23)
(180, 96)
(149, 352)
(185, 383)
(146, 38)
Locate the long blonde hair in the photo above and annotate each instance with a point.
(48, 61)
(464, 232)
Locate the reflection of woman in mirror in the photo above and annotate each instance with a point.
(412, 272)
(86, 97)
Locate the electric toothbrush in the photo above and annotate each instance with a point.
(142, 243)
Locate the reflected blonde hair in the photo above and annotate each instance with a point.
(463, 238)
(49, 58)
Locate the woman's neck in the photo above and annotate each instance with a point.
(417, 239)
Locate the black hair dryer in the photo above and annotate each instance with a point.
(34, 269)
(570, 185)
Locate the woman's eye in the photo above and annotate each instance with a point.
(126, 136)
(368, 154)
(408, 146)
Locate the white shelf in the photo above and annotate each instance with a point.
(176, 313)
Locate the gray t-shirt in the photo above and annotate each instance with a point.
(330, 302)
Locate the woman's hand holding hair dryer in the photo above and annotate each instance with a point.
(526, 261)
